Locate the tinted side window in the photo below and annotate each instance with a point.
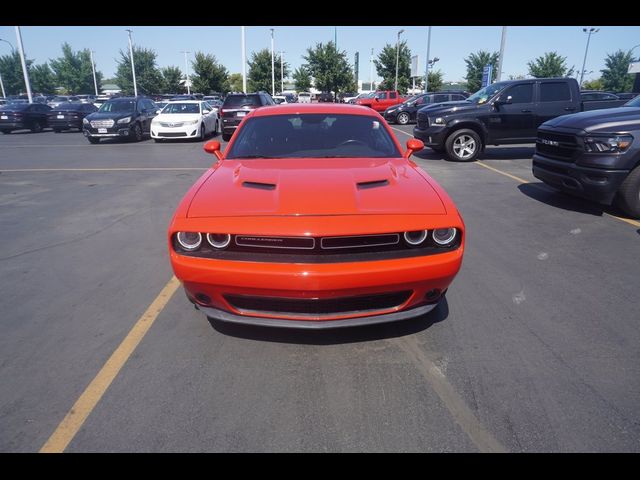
(392, 95)
(588, 96)
(440, 98)
(419, 101)
(457, 97)
(554, 92)
(520, 93)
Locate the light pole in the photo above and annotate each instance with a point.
(371, 71)
(273, 70)
(186, 69)
(244, 63)
(430, 64)
(426, 73)
(93, 69)
(589, 32)
(632, 49)
(4, 95)
(502, 42)
(133, 67)
(281, 71)
(397, 57)
(25, 72)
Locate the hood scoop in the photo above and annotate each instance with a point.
(259, 185)
(372, 184)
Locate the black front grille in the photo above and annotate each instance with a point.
(558, 146)
(172, 134)
(318, 306)
(329, 243)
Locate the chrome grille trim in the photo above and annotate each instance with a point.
(102, 123)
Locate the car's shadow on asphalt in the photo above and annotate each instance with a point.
(335, 336)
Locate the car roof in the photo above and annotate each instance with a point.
(186, 101)
(302, 108)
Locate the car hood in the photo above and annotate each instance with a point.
(177, 117)
(108, 115)
(599, 120)
(336, 186)
(445, 108)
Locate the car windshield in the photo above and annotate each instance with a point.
(181, 108)
(70, 106)
(60, 99)
(14, 106)
(319, 135)
(633, 103)
(237, 101)
(411, 100)
(118, 106)
(484, 94)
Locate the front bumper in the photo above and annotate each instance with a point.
(595, 184)
(185, 131)
(431, 136)
(115, 131)
(218, 280)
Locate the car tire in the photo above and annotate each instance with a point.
(93, 141)
(628, 196)
(226, 137)
(136, 133)
(463, 145)
(203, 133)
(6, 132)
(157, 140)
(36, 127)
(402, 118)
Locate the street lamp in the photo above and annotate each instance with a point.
(371, 71)
(281, 71)
(186, 70)
(133, 67)
(25, 71)
(589, 32)
(632, 49)
(244, 62)
(10, 44)
(273, 70)
(93, 69)
(397, 57)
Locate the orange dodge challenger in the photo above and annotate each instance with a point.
(313, 217)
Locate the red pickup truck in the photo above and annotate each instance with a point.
(382, 100)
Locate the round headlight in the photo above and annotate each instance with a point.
(444, 236)
(189, 240)
(416, 237)
(218, 240)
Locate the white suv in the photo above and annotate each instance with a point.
(304, 97)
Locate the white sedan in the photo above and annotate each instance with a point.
(185, 119)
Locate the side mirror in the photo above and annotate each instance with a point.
(377, 99)
(206, 111)
(158, 111)
(413, 145)
(213, 147)
(506, 101)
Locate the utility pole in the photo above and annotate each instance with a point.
(502, 42)
(244, 63)
(426, 74)
(93, 69)
(281, 71)
(371, 71)
(25, 72)
(273, 69)
(133, 67)
(186, 69)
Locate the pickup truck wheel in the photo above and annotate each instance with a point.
(463, 145)
(628, 197)
(402, 118)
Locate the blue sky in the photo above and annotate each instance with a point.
(449, 43)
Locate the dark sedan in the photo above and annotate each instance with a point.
(20, 116)
(69, 116)
(406, 112)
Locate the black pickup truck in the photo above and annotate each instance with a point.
(594, 155)
(502, 113)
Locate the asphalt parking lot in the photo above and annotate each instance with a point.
(536, 347)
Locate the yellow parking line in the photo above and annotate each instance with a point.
(73, 421)
(522, 180)
(123, 169)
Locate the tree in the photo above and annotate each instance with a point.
(235, 82)
(615, 76)
(148, 77)
(329, 68)
(475, 64)
(259, 77)
(550, 65)
(208, 75)
(171, 77)
(596, 84)
(73, 70)
(302, 79)
(12, 76)
(386, 67)
(42, 79)
(436, 80)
